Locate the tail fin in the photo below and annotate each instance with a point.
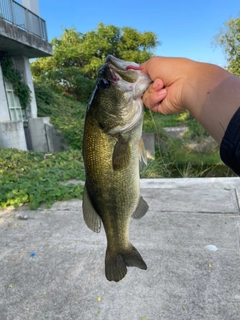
(116, 264)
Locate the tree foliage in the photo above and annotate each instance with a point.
(78, 56)
(229, 39)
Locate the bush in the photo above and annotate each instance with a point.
(66, 114)
(35, 178)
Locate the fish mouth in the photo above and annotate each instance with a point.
(122, 69)
(122, 64)
(130, 72)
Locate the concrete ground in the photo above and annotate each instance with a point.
(52, 265)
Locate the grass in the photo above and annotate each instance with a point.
(173, 158)
(180, 164)
(153, 120)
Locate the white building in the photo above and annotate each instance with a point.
(23, 36)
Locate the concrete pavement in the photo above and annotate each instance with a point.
(52, 265)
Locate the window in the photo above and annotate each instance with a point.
(14, 106)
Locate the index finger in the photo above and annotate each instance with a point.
(152, 67)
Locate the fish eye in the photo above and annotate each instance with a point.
(104, 83)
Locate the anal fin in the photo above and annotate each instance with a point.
(141, 209)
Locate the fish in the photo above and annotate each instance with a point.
(112, 147)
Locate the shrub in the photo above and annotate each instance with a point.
(66, 114)
(34, 178)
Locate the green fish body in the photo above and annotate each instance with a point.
(112, 146)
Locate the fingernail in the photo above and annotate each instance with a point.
(162, 92)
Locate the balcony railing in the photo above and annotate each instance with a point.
(23, 18)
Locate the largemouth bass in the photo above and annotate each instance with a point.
(112, 146)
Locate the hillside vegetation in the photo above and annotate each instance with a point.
(66, 113)
(173, 156)
(36, 177)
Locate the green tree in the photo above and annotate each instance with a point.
(82, 54)
(229, 39)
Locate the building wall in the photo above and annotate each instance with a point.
(21, 45)
(12, 133)
(4, 113)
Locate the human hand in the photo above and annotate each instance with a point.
(169, 75)
(210, 93)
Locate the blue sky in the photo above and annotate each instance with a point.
(184, 28)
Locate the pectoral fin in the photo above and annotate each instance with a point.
(142, 151)
(91, 218)
(141, 209)
(121, 154)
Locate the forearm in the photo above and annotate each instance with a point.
(217, 97)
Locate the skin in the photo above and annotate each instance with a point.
(210, 93)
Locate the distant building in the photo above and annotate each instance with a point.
(23, 35)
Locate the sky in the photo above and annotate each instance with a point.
(185, 28)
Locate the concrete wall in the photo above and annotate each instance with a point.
(15, 41)
(38, 134)
(55, 139)
(4, 112)
(12, 135)
(23, 66)
(29, 82)
(44, 137)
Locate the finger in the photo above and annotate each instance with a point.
(157, 85)
(153, 99)
(153, 67)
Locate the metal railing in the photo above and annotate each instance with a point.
(23, 18)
